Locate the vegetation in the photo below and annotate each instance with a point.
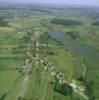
(65, 22)
(73, 35)
(17, 26)
(96, 23)
(2, 21)
(64, 89)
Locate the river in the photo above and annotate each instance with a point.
(85, 51)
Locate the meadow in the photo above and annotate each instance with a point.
(15, 26)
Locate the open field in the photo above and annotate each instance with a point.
(21, 79)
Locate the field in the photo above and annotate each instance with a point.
(21, 79)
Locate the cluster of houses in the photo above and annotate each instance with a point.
(61, 85)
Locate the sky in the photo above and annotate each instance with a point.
(70, 2)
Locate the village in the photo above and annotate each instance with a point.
(60, 84)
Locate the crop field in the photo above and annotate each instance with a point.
(41, 49)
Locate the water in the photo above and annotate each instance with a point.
(85, 51)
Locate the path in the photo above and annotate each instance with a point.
(45, 90)
(23, 87)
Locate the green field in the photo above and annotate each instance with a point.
(16, 29)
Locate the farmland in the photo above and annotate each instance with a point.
(35, 40)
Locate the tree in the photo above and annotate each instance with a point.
(64, 88)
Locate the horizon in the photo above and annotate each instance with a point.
(94, 3)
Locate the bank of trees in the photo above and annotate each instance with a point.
(3, 22)
(63, 89)
(73, 35)
(66, 22)
(96, 23)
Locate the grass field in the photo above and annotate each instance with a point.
(14, 37)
